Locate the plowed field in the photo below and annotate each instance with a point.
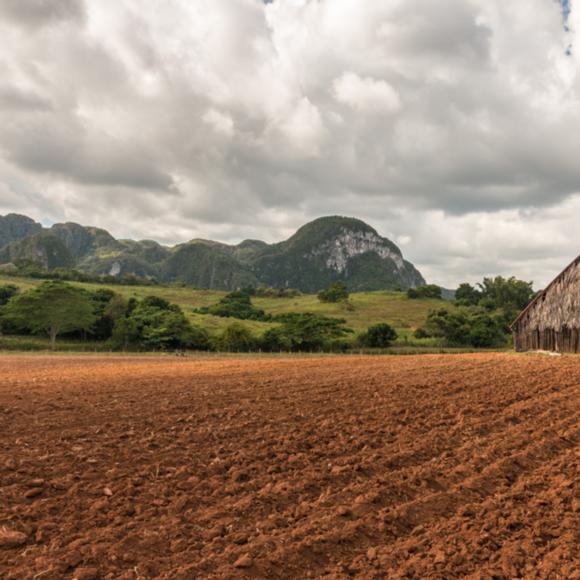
(377, 467)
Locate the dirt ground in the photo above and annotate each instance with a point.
(366, 467)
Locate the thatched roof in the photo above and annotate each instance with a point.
(556, 306)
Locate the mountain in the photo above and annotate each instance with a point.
(319, 253)
(14, 227)
(333, 248)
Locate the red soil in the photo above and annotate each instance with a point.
(384, 467)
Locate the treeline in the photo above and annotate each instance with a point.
(56, 309)
(481, 315)
(32, 269)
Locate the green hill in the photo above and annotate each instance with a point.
(318, 254)
(362, 310)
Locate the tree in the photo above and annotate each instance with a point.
(465, 327)
(426, 291)
(155, 323)
(54, 308)
(6, 292)
(510, 294)
(304, 332)
(337, 292)
(237, 304)
(103, 327)
(380, 335)
(467, 295)
(236, 337)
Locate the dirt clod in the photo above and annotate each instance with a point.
(244, 561)
(11, 539)
(86, 574)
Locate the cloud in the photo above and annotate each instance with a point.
(39, 13)
(221, 122)
(238, 118)
(366, 94)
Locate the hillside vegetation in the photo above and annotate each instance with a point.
(362, 310)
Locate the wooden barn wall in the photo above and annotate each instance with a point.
(553, 321)
(562, 340)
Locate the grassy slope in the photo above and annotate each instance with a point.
(369, 307)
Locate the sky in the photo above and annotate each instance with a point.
(451, 126)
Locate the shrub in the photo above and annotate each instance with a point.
(154, 323)
(304, 332)
(380, 335)
(6, 292)
(337, 292)
(264, 292)
(235, 338)
(237, 304)
(427, 291)
(463, 327)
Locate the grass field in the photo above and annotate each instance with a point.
(363, 310)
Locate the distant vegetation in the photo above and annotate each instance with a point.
(166, 318)
(380, 335)
(482, 314)
(237, 304)
(337, 292)
(31, 269)
(426, 291)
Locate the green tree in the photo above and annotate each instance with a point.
(426, 291)
(304, 332)
(380, 335)
(465, 327)
(337, 292)
(6, 292)
(155, 323)
(467, 295)
(54, 308)
(509, 293)
(236, 337)
(237, 304)
(452, 326)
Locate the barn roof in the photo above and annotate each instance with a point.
(541, 294)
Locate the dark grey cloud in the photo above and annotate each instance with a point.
(38, 13)
(238, 118)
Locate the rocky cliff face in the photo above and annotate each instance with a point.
(339, 250)
(319, 253)
(14, 227)
(44, 248)
(336, 248)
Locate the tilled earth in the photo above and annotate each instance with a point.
(367, 467)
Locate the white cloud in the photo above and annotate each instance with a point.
(449, 124)
(366, 94)
(220, 122)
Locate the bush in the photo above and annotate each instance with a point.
(337, 292)
(305, 332)
(235, 338)
(462, 327)
(263, 292)
(237, 304)
(378, 336)
(6, 292)
(467, 295)
(156, 324)
(427, 291)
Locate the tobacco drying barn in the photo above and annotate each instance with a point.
(552, 320)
